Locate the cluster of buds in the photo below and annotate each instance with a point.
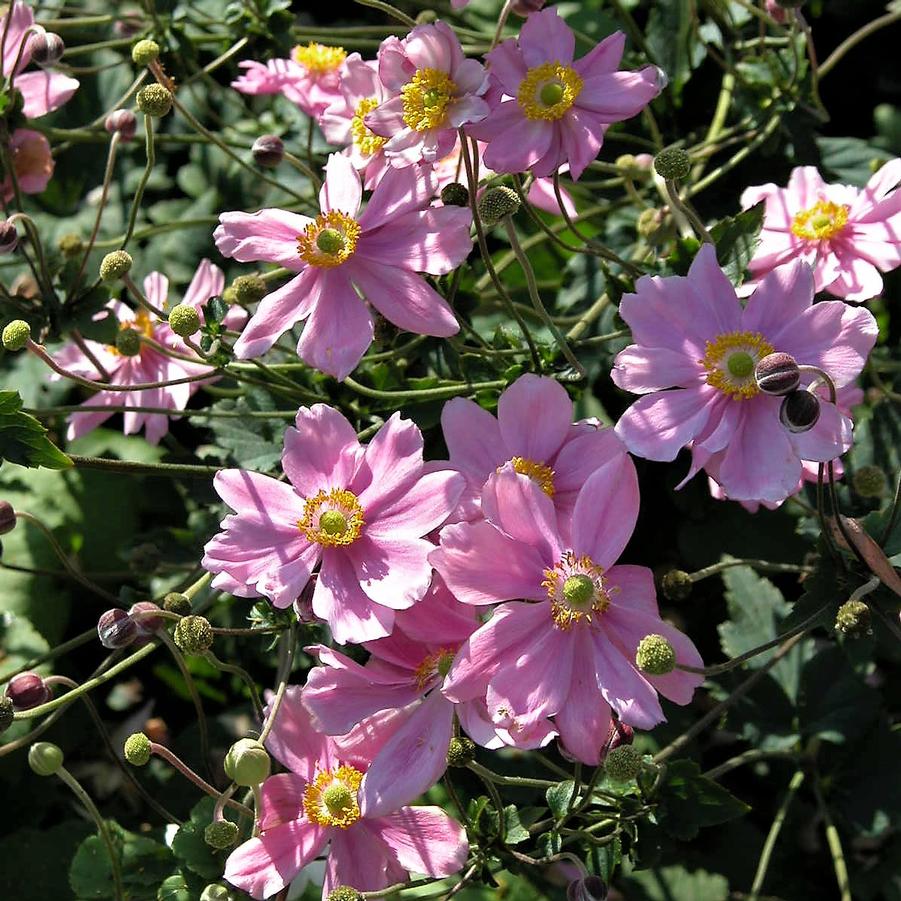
(779, 375)
(119, 628)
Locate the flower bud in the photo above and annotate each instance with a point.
(268, 151)
(122, 121)
(800, 411)
(217, 892)
(16, 334)
(154, 100)
(247, 762)
(193, 635)
(142, 615)
(174, 888)
(631, 167)
(426, 17)
(7, 517)
(45, 758)
(676, 585)
(655, 226)
(620, 733)
(853, 618)
(868, 481)
(47, 49)
(116, 629)
(27, 690)
(7, 713)
(588, 888)
(623, 763)
(655, 656)
(249, 289)
(525, 8)
(777, 374)
(128, 342)
(184, 320)
(114, 265)
(221, 834)
(137, 749)
(9, 237)
(496, 203)
(129, 25)
(775, 11)
(70, 246)
(145, 52)
(344, 893)
(175, 602)
(672, 163)
(455, 194)
(460, 751)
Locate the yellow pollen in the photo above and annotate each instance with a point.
(331, 798)
(368, 142)
(332, 518)
(141, 323)
(426, 97)
(335, 247)
(437, 664)
(730, 361)
(548, 91)
(821, 221)
(319, 58)
(565, 613)
(542, 475)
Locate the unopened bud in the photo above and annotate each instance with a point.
(853, 618)
(249, 289)
(455, 194)
(123, 121)
(128, 26)
(676, 585)
(7, 517)
(655, 655)
(525, 8)
(16, 334)
(426, 17)
(116, 629)
(47, 49)
(116, 264)
(70, 246)
(344, 893)
(137, 749)
(620, 733)
(145, 52)
(630, 167)
(184, 320)
(217, 892)
(460, 751)
(496, 203)
(221, 834)
(268, 151)
(588, 888)
(655, 226)
(128, 342)
(193, 634)
(777, 374)
(176, 602)
(45, 758)
(7, 713)
(870, 482)
(800, 411)
(154, 100)
(9, 237)
(174, 888)
(142, 614)
(672, 163)
(27, 690)
(623, 763)
(247, 763)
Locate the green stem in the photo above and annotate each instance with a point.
(142, 184)
(426, 394)
(773, 835)
(130, 467)
(850, 42)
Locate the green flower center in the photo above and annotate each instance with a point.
(330, 241)
(740, 364)
(333, 523)
(578, 590)
(338, 799)
(551, 93)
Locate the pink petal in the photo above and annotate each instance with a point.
(546, 38)
(630, 695)
(421, 509)
(258, 498)
(20, 19)
(44, 92)
(269, 235)
(473, 438)
(321, 452)
(642, 369)
(360, 858)
(341, 191)
(534, 415)
(783, 295)
(400, 191)
(521, 509)
(208, 281)
(281, 800)
(387, 119)
(391, 466)
(156, 289)
(603, 57)
(857, 280)
(828, 439)
(294, 741)
(805, 185)
(425, 840)
(543, 196)
(506, 65)
(515, 143)
(615, 96)
(392, 571)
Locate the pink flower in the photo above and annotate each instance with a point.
(315, 809)
(403, 679)
(567, 649)
(557, 110)
(534, 432)
(341, 253)
(436, 91)
(357, 512)
(149, 365)
(32, 161)
(42, 91)
(693, 335)
(310, 78)
(848, 235)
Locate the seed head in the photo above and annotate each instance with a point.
(655, 656)
(154, 100)
(672, 163)
(460, 751)
(623, 763)
(496, 203)
(184, 320)
(137, 749)
(193, 634)
(249, 289)
(16, 334)
(221, 834)
(116, 264)
(455, 194)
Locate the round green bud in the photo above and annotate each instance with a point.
(655, 656)
(174, 888)
(176, 602)
(70, 246)
(128, 342)
(154, 100)
(137, 749)
(455, 194)
(676, 585)
(623, 763)
(116, 264)
(344, 893)
(870, 482)
(853, 618)
(44, 758)
(247, 762)
(194, 634)
(630, 167)
(426, 17)
(216, 892)
(229, 295)
(249, 288)
(145, 52)
(184, 320)
(672, 163)
(460, 751)
(221, 834)
(496, 203)
(7, 712)
(16, 334)
(655, 226)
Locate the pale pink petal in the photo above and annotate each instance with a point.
(630, 695)
(425, 840)
(321, 452)
(268, 234)
(391, 465)
(858, 279)
(515, 143)
(294, 741)
(806, 186)
(643, 369)
(473, 438)
(360, 858)
(400, 191)
(341, 191)
(506, 65)
(392, 571)
(44, 91)
(546, 38)
(615, 96)
(543, 196)
(828, 439)
(387, 119)
(421, 508)
(208, 281)
(156, 289)
(603, 57)
(281, 800)
(783, 295)
(20, 19)
(534, 415)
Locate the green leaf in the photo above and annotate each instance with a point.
(559, 797)
(849, 159)
(254, 443)
(670, 43)
(19, 642)
(549, 843)
(736, 239)
(190, 848)
(689, 801)
(23, 439)
(676, 884)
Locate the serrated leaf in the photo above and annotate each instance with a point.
(549, 843)
(23, 440)
(677, 884)
(189, 847)
(736, 239)
(559, 796)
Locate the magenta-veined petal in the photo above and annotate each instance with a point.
(322, 452)
(268, 234)
(425, 840)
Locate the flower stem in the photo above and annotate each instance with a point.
(773, 835)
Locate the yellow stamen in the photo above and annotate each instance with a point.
(548, 91)
(730, 361)
(141, 323)
(569, 606)
(332, 518)
(329, 241)
(821, 221)
(437, 664)
(368, 142)
(319, 58)
(331, 798)
(539, 473)
(426, 97)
